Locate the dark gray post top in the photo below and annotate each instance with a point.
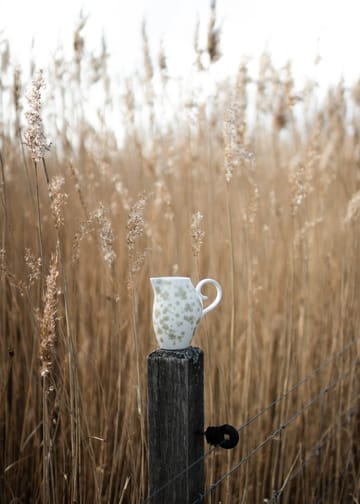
(190, 353)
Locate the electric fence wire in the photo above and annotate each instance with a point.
(275, 433)
(260, 413)
(347, 416)
(330, 488)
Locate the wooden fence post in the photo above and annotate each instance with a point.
(175, 421)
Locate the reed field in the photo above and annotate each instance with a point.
(255, 184)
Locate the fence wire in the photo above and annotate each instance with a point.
(275, 433)
(260, 413)
(347, 416)
(330, 487)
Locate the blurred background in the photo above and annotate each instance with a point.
(321, 37)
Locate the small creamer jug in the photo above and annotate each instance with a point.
(178, 309)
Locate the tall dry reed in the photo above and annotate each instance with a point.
(258, 188)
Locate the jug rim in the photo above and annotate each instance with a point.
(170, 277)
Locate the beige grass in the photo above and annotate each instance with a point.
(281, 236)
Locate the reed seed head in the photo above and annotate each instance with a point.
(353, 209)
(34, 266)
(58, 200)
(135, 230)
(135, 224)
(34, 137)
(48, 320)
(213, 41)
(197, 233)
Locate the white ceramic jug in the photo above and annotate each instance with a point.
(178, 308)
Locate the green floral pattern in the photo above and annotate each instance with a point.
(177, 311)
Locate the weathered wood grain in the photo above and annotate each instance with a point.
(175, 421)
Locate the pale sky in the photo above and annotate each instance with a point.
(287, 29)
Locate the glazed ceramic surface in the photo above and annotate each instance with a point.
(178, 309)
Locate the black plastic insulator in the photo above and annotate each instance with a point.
(225, 436)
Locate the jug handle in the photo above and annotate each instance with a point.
(218, 294)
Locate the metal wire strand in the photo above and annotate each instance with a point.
(315, 451)
(277, 431)
(260, 413)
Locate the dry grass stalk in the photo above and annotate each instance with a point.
(17, 92)
(253, 208)
(213, 39)
(298, 191)
(58, 200)
(197, 233)
(34, 137)
(290, 274)
(47, 350)
(353, 209)
(99, 221)
(162, 62)
(198, 51)
(79, 44)
(135, 230)
(148, 66)
(106, 235)
(34, 265)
